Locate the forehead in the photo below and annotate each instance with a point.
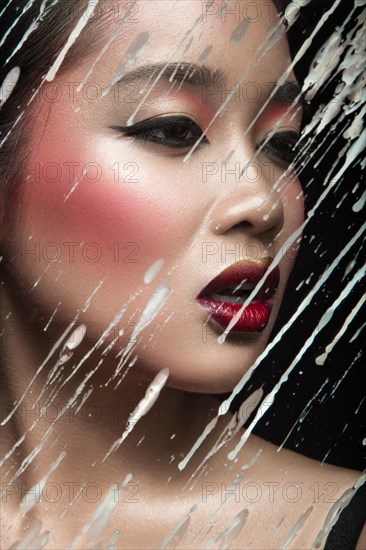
(230, 36)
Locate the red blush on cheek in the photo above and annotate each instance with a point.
(113, 213)
(122, 221)
(97, 206)
(73, 199)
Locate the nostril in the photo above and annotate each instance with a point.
(247, 212)
(243, 225)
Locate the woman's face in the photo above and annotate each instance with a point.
(98, 206)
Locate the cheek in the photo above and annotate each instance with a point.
(94, 211)
(85, 192)
(109, 215)
(293, 204)
(105, 229)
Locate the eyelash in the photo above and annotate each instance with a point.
(280, 146)
(146, 131)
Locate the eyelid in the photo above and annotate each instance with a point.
(280, 117)
(157, 121)
(285, 138)
(283, 133)
(143, 131)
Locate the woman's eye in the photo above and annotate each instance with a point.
(168, 131)
(281, 146)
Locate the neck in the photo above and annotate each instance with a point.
(57, 418)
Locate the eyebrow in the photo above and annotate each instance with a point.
(198, 76)
(289, 92)
(189, 73)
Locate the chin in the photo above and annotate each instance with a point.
(203, 367)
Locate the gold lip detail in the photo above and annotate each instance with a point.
(267, 260)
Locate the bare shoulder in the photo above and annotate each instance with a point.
(274, 499)
(361, 544)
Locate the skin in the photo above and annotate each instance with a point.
(167, 213)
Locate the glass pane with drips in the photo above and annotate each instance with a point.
(182, 272)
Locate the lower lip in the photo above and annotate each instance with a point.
(254, 318)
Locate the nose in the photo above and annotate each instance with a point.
(251, 204)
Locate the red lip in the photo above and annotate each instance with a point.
(255, 316)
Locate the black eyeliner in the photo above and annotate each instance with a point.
(143, 131)
(281, 145)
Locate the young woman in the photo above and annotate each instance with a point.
(153, 215)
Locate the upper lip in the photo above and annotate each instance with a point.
(248, 270)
